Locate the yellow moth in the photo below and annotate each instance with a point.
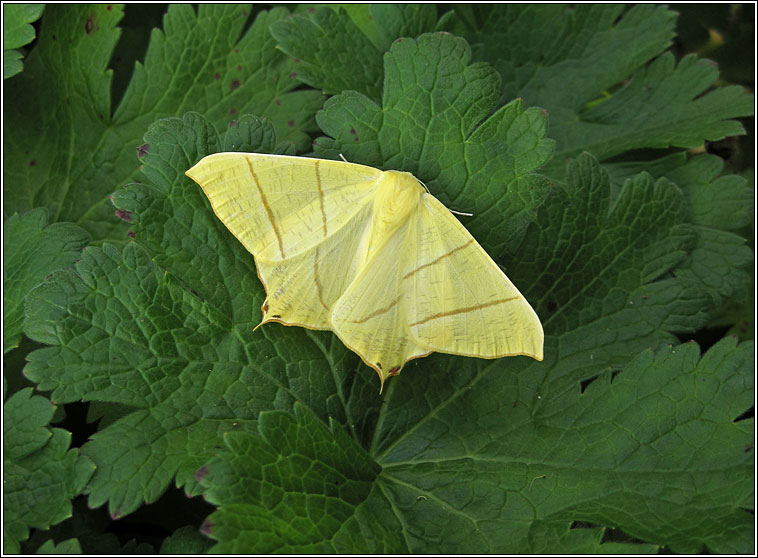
(369, 255)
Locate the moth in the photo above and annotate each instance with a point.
(370, 255)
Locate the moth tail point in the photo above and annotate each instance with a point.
(383, 376)
(264, 310)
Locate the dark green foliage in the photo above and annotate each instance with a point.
(571, 133)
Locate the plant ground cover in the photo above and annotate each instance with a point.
(600, 154)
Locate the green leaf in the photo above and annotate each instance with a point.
(720, 264)
(599, 70)
(185, 541)
(560, 55)
(739, 315)
(40, 474)
(306, 484)
(654, 450)
(33, 249)
(13, 366)
(17, 33)
(723, 202)
(320, 60)
(615, 443)
(70, 546)
(24, 431)
(89, 528)
(175, 342)
(436, 121)
(609, 257)
(586, 66)
(146, 304)
(16, 19)
(341, 49)
(12, 63)
(106, 413)
(65, 147)
(383, 23)
(720, 261)
(716, 205)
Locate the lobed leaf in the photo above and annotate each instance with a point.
(311, 43)
(69, 546)
(145, 332)
(33, 249)
(17, 33)
(305, 485)
(40, 473)
(620, 441)
(586, 66)
(654, 450)
(164, 326)
(436, 121)
(185, 540)
(67, 150)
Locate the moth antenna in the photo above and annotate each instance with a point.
(343, 157)
(450, 210)
(424, 185)
(460, 212)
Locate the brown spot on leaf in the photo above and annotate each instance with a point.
(216, 76)
(131, 234)
(239, 68)
(352, 131)
(89, 25)
(293, 75)
(278, 102)
(232, 111)
(291, 123)
(200, 473)
(109, 7)
(142, 150)
(124, 215)
(33, 163)
(207, 527)
(311, 10)
(296, 60)
(235, 84)
(232, 123)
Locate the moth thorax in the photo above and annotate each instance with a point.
(397, 195)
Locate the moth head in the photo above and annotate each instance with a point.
(397, 196)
